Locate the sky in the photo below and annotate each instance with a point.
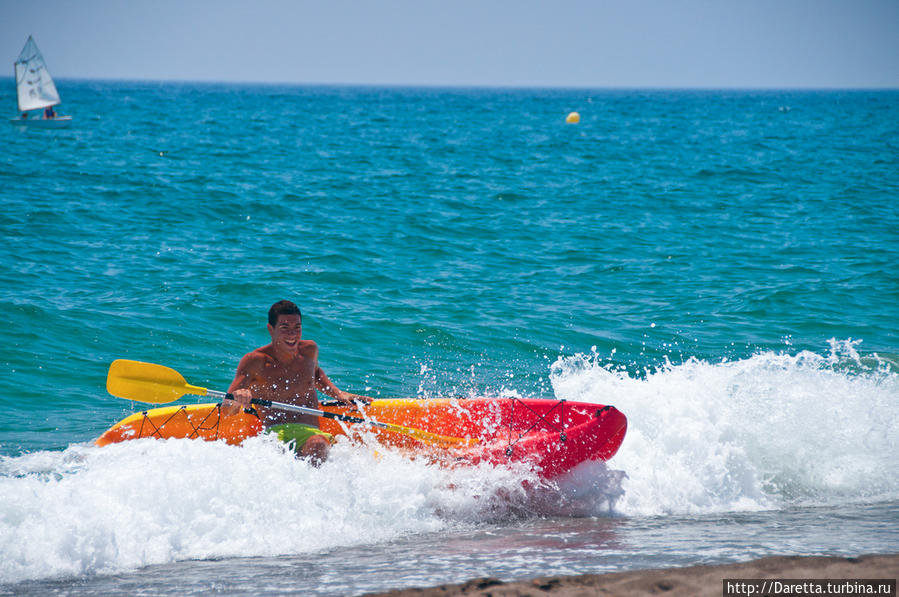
(494, 43)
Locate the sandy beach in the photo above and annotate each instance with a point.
(674, 582)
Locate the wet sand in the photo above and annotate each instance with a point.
(675, 582)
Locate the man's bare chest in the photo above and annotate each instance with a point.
(299, 373)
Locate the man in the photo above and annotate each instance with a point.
(287, 371)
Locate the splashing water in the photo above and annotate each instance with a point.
(760, 433)
(99, 510)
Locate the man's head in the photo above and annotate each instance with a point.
(285, 325)
(282, 308)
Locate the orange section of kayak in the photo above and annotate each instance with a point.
(199, 421)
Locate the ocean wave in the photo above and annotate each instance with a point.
(769, 431)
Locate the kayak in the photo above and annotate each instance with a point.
(553, 436)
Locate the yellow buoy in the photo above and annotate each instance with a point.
(573, 118)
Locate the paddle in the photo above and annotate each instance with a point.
(157, 384)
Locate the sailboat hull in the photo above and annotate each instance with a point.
(59, 122)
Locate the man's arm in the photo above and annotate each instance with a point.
(326, 386)
(239, 388)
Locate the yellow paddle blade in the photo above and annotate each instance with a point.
(146, 382)
(429, 437)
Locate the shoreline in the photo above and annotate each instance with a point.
(698, 580)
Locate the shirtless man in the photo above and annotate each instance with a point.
(287, 371)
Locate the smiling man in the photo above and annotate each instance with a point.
(287, 371)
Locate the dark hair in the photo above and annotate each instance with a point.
(282, 308)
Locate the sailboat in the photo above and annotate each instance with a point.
(35, 90)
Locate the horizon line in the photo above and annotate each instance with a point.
(498, 86)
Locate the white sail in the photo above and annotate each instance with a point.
(34, 86)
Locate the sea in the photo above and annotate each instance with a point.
(720, 265)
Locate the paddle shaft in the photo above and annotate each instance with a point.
(323, 413)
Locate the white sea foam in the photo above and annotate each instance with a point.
(769, 431)
(91, 510)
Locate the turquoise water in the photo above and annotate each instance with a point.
(720, 265)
